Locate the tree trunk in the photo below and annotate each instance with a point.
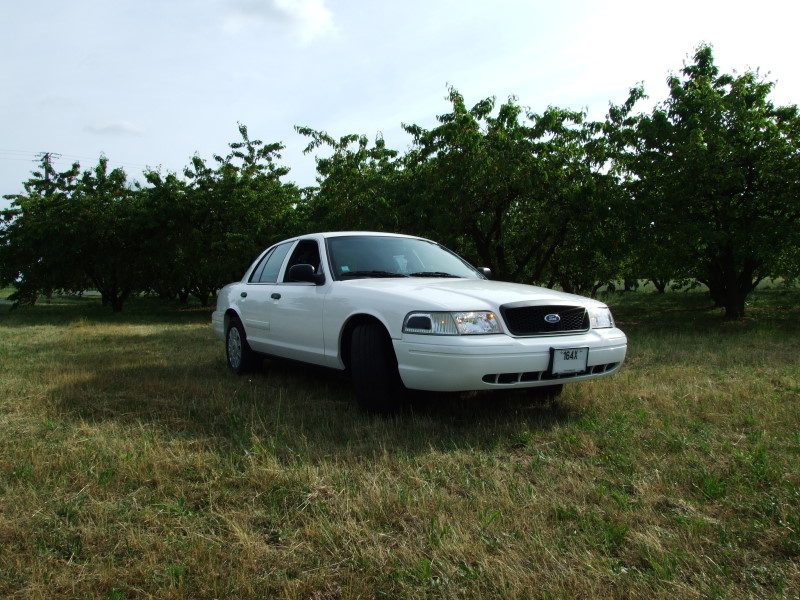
(115, 298)
(734, 306)
(729, 286)
(116, 304)
(661, 285)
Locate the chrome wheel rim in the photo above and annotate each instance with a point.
(234, 347)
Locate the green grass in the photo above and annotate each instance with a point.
(133, 465)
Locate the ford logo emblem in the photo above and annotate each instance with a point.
(552, 318)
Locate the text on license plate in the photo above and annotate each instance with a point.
(569, 360)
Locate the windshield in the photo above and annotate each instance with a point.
(354, 257)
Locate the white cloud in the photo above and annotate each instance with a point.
(114, 129)
(307, 19)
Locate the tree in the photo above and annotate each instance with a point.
(166, 235)
(178, 237)
(69, 232)
(104, 234)
(717, 179)
(512, 190)
(33, 257)
(358, 186)
(231, 213)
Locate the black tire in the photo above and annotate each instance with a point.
(549, 393)
(373, 365)
(241, 358)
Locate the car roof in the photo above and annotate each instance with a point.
(363, 233)
(335, 234)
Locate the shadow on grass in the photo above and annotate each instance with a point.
(175, 380)
(303, 411)
(64, 310)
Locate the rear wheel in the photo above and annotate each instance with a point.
(373, 364)
(241, 358)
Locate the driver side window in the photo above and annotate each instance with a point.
(306, 253)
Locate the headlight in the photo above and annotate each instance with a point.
(455, 323)
(601, 318)
(471, 323)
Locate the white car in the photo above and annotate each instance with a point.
(398, 311)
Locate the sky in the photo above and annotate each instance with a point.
(150, 83)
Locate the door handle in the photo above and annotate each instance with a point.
(276, 296)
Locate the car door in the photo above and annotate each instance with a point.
(257, 298)
(296, 316)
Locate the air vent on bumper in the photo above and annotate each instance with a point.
(530, 376)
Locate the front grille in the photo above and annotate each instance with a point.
(530, 320)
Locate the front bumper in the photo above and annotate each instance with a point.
(487, 362)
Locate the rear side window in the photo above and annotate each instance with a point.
(269, 267)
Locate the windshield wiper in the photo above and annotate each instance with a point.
(432, 274)
(371, 274)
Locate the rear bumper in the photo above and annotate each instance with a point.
(218, 324)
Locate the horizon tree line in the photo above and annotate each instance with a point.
(705, 188)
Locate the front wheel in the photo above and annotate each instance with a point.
(373, 365)
(241, 358)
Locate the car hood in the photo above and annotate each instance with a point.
(463, 294)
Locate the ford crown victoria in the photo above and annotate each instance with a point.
(400, 312)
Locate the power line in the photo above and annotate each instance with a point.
(36, 157)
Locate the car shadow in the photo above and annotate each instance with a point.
(178, 384)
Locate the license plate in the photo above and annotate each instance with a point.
(568, 360)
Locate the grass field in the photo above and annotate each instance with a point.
(133, 465)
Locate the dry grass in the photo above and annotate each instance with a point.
(133, 465)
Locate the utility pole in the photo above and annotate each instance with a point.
(46, 158)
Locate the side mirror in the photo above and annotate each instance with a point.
(305, 273)
(487, 272)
